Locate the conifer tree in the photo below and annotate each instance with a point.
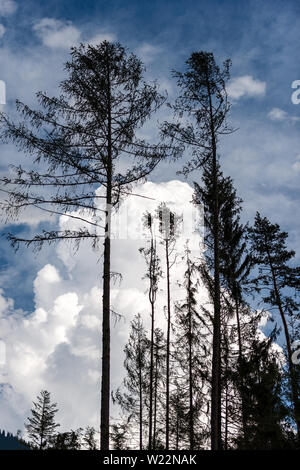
(190, 354)
(179, 424)
(279, 282)
(235, 262)
(119, 436)
(89, 439)
(133, 400)
(134, 396)
(41, 424)
(66, 440)
(159, 405)
(263, 401)
(204, 105)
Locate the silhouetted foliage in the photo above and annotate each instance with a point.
(41, 424)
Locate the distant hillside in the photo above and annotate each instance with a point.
(10, 442)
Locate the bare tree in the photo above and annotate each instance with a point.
(82, 140)
(168, 225)
(153, 275)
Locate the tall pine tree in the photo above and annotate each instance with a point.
(204, 105)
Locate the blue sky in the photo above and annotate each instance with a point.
(262, 40)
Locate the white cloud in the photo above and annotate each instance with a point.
(57, 346)
(57, 34)
(264, 318)
(2, 30)
(7, 7)
(147, 52)
(277, 114)
(98, 38)
(246, 86)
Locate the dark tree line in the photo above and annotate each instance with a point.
(210, 378)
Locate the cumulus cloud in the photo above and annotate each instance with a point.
(277, 114)
(57, 34)
(246, 86)
(7, 7)
(57, 347)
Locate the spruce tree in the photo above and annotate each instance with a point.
(278, 281)
(41, 424)
(70, 440)
(89, 439)
(133, 400)
(235, 262)
(159, 406)
(262, 391)
(190, 354)
(119, 436)
(179, 424)
(204, 105)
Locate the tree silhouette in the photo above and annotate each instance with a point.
(203, 104)
(41, 424)
(136, 381)
(153, 275)
(279, 281)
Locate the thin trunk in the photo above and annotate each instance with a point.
(140, 398)
(155, 399)
(244, 418)
(168, 347)
(42, 430)
(151, 378)
(238, 327)
(226, 418)
(152, 294)
(105, 381)
(216, 441)
(177, 430)
(191, 414)
(226, 398)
